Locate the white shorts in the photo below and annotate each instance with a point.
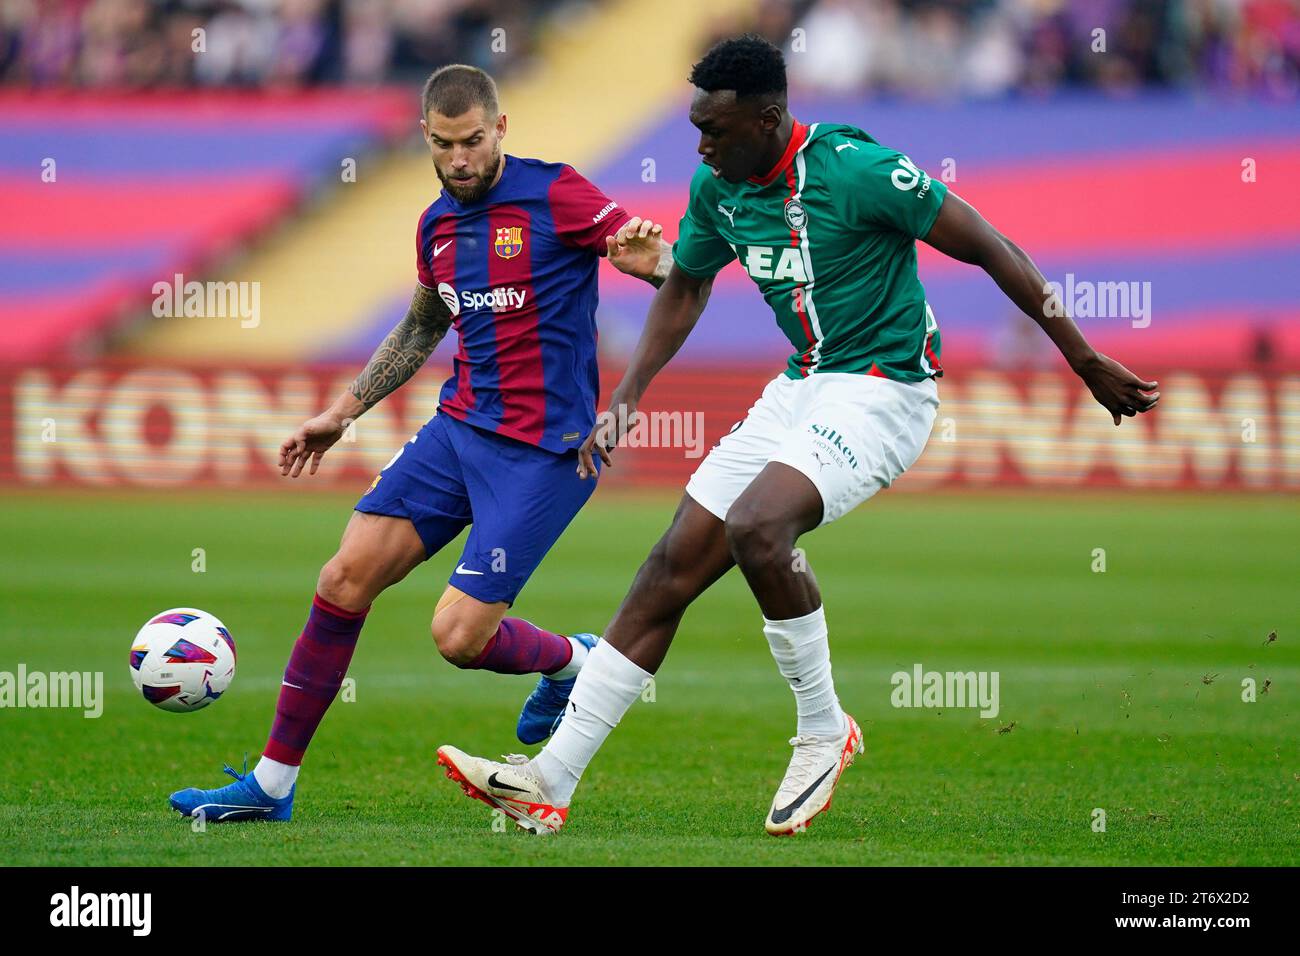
(851, 434)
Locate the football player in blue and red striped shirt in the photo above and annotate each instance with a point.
(508, 256)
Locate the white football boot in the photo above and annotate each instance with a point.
(513, 787)
(810, 779)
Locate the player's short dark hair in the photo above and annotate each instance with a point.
(748, 64)
(456, 89)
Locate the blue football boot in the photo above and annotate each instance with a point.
(544, 708)
(241, 800)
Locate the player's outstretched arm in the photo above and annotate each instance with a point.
(398, 357)
(962, 233)
(638, 248)
(673, 313)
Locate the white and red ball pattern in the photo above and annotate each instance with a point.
(182, 660)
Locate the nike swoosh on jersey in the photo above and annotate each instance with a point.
(780, 816)
(461, 569)
(437, 249)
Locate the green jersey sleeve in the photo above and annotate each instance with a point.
(700, 251)
(883, 188)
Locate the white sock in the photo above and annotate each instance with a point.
(803, 655)
(575, 662)
(275, 778)
(607, 686)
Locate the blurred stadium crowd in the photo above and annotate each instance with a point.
(993, 47)
(256, 43)
(909, 47)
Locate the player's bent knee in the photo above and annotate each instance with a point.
(662, 588)
(460, 641)
(341, 584)
(755, 538)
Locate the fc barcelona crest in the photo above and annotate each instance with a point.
(509, 242)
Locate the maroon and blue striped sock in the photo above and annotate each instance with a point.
(522, 648)
(313, 677)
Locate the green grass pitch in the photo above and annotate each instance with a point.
(1119, 690)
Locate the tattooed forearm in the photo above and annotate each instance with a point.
(405, 349)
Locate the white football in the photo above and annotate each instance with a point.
(182, 660)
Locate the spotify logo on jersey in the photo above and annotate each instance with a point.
(500, 299)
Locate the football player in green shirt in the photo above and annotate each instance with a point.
(824, 219)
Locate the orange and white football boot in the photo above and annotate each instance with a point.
(811, 777)
(513, 787)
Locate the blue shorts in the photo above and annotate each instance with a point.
(517, 498)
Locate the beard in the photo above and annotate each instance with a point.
(476, 189)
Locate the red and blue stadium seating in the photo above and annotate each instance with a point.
(147, 186)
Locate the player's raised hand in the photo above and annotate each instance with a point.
(310, 441)
(636, 248)
(611, 425)
(1118, 390)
